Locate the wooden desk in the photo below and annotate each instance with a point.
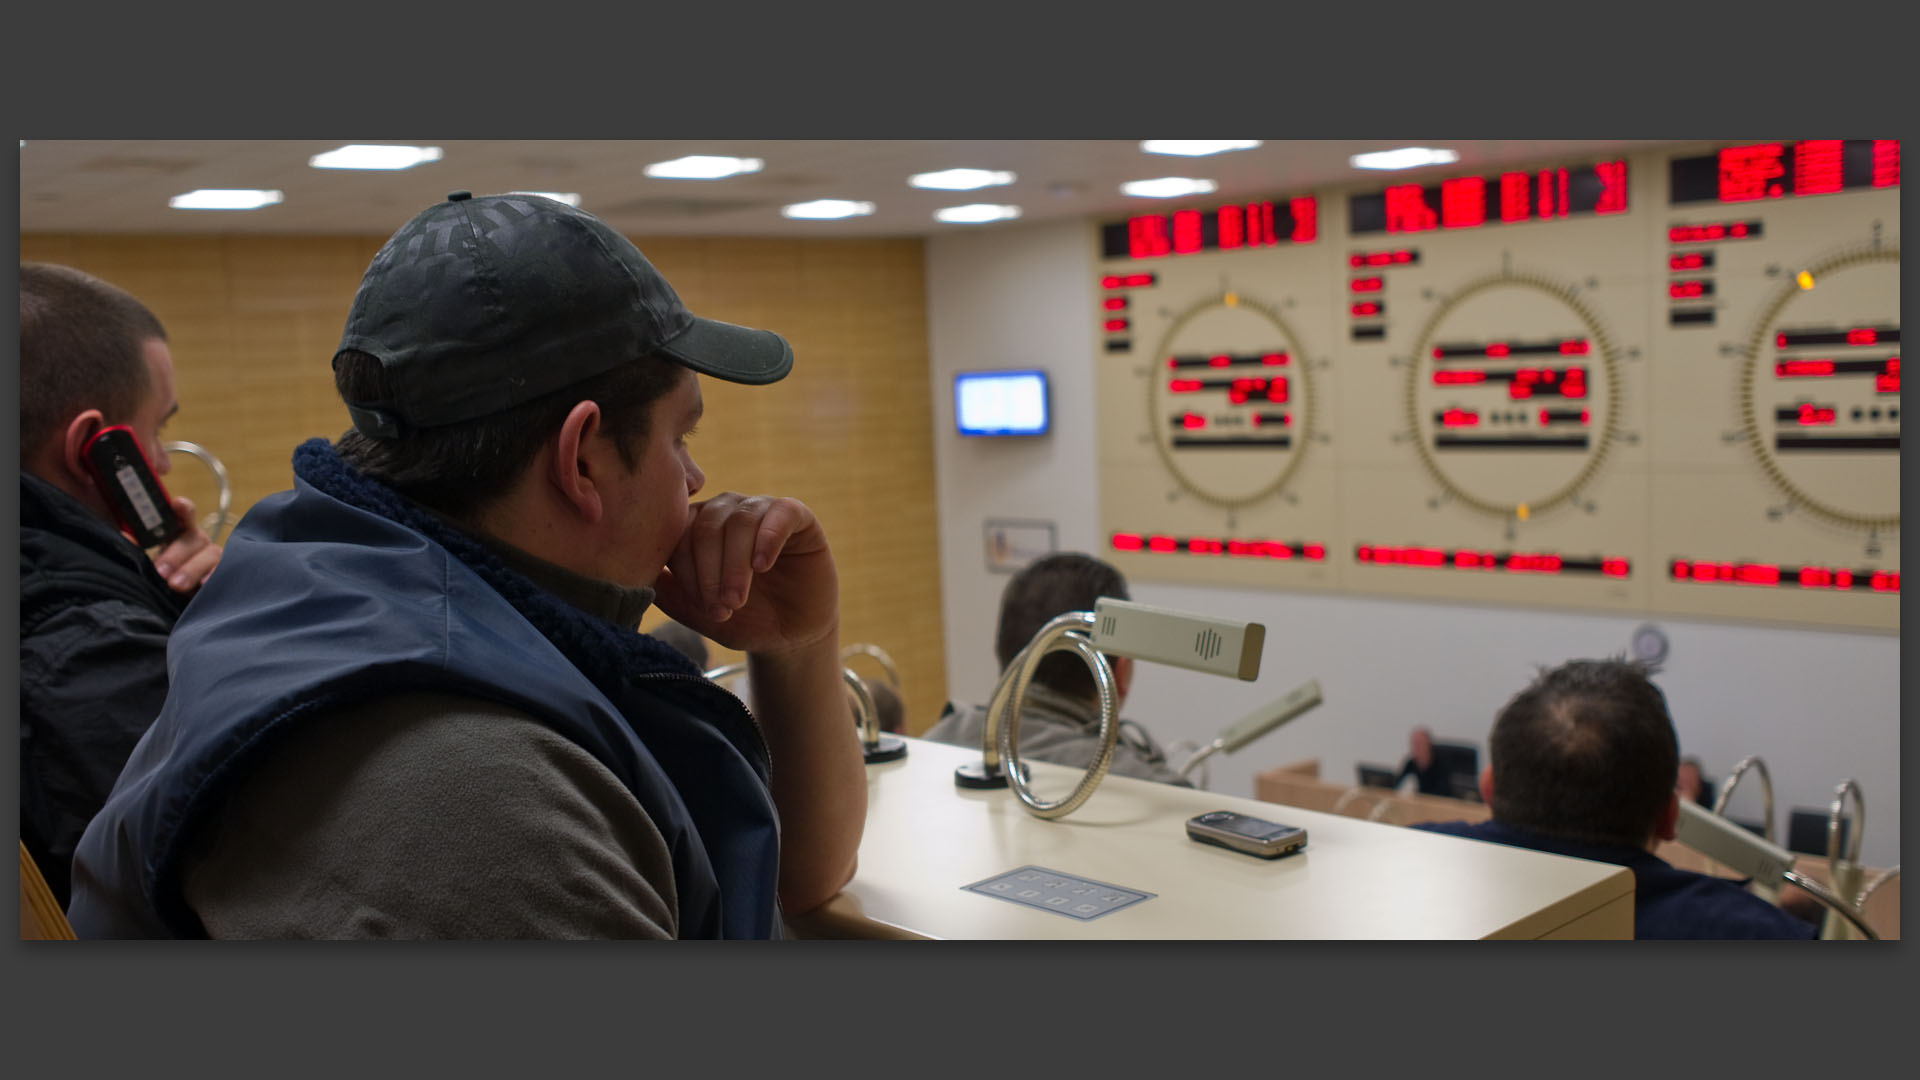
(927, 839)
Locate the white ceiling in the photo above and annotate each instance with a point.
(123, 186)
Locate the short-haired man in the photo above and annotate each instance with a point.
(414, 702)
(95, 610)
(1060, 718)
(1583, 764)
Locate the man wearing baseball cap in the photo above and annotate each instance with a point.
(413, 703)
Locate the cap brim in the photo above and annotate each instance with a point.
(734, 353)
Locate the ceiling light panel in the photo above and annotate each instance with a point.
(1167, 187)
(224, 199)
(976, 214)
(363, 156)
(1197, 147)
(960, 179)
(826, 209)
(702, 167)
(1407, 157)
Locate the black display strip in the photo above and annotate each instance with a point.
(1821, 578)
(1496, 350)
(1788, 444)
(1858, 336)
(1715, 231)
(1471, 202)
(1227, 442)
(1160, 544)
(1119, 345)
(1690, 317)
(1373, 332)
(1515, 562)
(1763, 171)
(1229, 359)
(1509, 442)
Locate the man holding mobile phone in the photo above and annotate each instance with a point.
(95, 609)
(458, 730)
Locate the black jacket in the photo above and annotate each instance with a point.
(94, 620)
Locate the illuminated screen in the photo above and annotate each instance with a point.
(1784, 170)
(1469, 202)
(1000, 402)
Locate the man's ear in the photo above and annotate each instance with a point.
(1486, 784)
(575, 471)
(1669, 824)
(1122, 675)
(80, 430)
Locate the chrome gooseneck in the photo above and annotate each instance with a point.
(215, 523)
(875, 745)
(1751, 761)
(1843, 868)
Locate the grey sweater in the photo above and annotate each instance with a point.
(1063, 730)
(436, 816)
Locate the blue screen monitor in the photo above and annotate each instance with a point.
(1000, 402)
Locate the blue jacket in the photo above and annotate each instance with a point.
(340, 592)
(1668, 902)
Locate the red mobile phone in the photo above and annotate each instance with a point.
(128, 483)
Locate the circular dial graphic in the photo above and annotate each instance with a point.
(1820, 392)
(1512, 395)
(1230, 402)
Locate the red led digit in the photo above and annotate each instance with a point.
(1229, 222)
(1184, 386)
(1275, 359)
(1815, 577)
(1317, 552)
(1277, 391)
(1306, 218)
(1749, 172)
(1692, 260)
(1219, 360)
(1545, 419)
(1186, 232)
(1407, 209)
(1843, 579)
(1515, 204)
(1737, 229)
(1463, 202)
(1498, 348)
(1553, 192)
(1757, 574)
(1614, 567)
(1161, 543)
(1613, 187)
(1816, 166)
(1862, 336)
(1127, 541)
(1586, 417)
(1811, 416)
(1114, 303)
(1402, 256)
(1574, 347)
(1367, 284)
(1116, 324)
(1137, 279)
(1684, 290)
(1147, 236)
(1450, 378)
(1793, 369)
(1886, 162)
(1192, 420)
(1356, 260)
(1368, 308)
(1465, 418)
(1260, 224)
(1882, 581)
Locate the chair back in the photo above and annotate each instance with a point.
(40, 916)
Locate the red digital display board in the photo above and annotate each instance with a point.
(1779, 170)
(1469, 202)
(1770, 575)
(1226, 228)
(1213, 545)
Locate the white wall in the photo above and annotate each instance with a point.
(1818, 706)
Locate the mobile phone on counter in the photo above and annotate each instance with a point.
(127, 481)
(1246, 834)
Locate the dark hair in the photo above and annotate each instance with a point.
(1054, 585)
(1587, 752)
(81, 343)
(459, 468)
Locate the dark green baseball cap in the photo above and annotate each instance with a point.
(481, 304)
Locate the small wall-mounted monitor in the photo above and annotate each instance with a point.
(1000, 402)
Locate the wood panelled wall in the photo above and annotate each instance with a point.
(253, 322)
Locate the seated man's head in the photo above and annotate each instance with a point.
(1587, 752)
(519, 366)
(1054, 585)
(91, 356)
(1420, 746)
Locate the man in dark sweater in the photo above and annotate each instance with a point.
(1584, 764)
(95, 610)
